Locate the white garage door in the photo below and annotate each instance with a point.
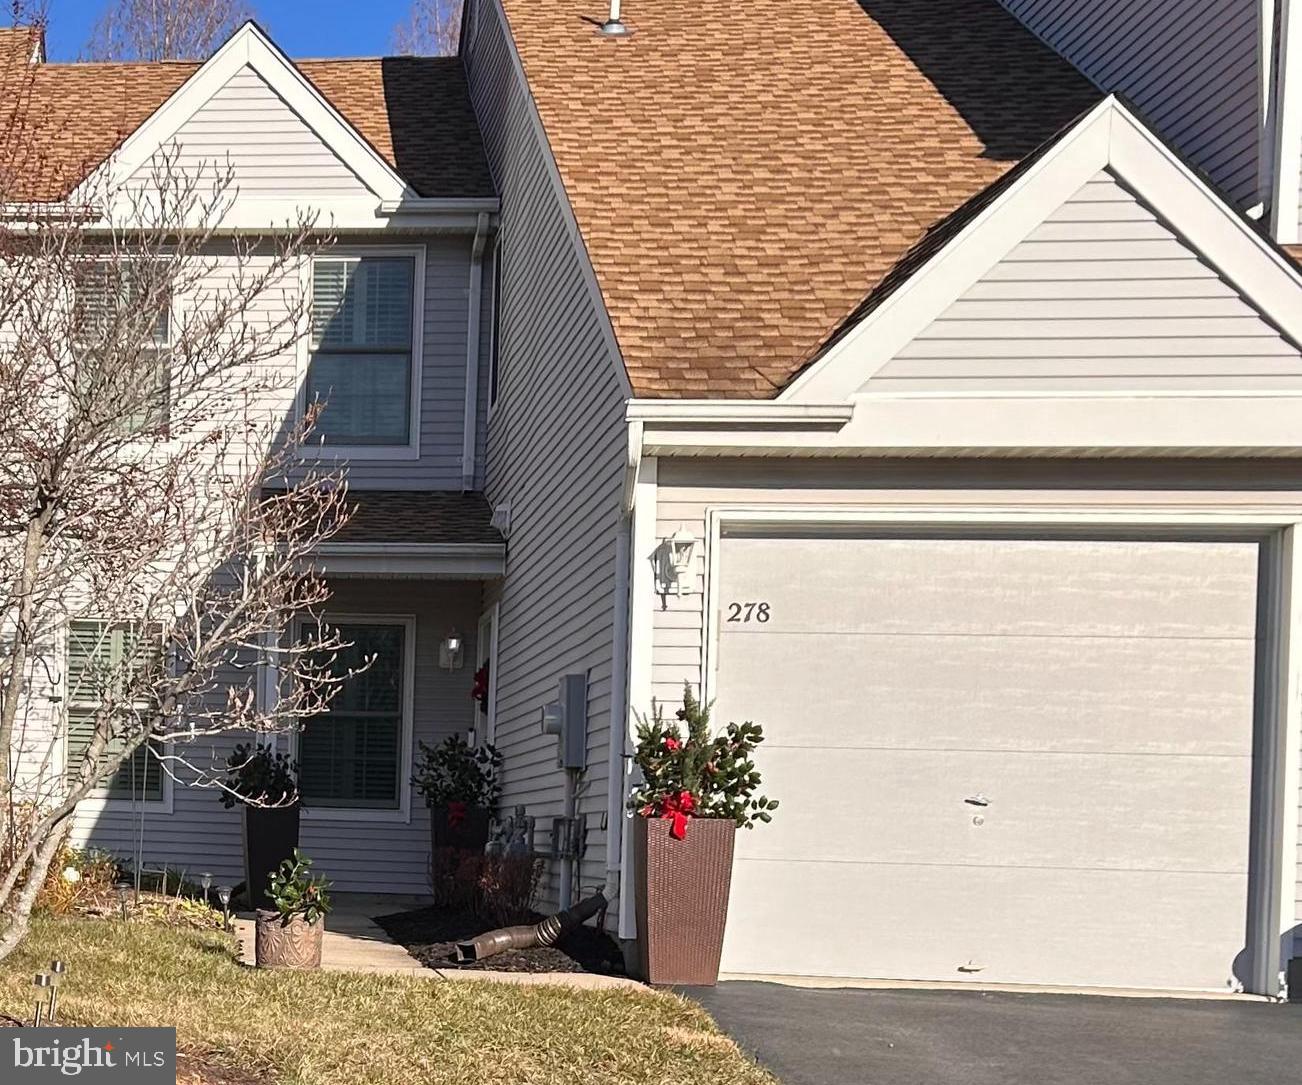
(1004, 760)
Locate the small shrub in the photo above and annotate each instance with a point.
(453, 772)
(506, 887)
(296, 891)
(77, 877)
(257, 774)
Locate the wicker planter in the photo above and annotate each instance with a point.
(469, 832)
(270, 837)
(682, 898)
(296, 944)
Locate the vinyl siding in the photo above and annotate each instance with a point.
(269, 149)
(556, 442)
(1189, 66)
(1102, 295)
(357, 855)
(687, 489)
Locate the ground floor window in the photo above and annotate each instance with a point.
(352, 755)
(100, 656)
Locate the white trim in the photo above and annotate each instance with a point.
(462, 561)
(641, 654)
(560, 195)
(737, 412)
(405, 743)
(1287, 172)
(486, 652)
(1266, 102)
(315, 450)
(249, 46)
(1108, 137)
(442, 205)
(1272, 916)
(470, 423)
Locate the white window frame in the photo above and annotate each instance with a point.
(407, 739)
(411, 450)
(99, 800)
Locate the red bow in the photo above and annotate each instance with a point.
(678, 808)
(456, 813)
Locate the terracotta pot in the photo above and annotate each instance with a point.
(469, 832)
(270, 837)
(296, 944)
(682, 898)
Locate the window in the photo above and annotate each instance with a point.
(361, 364)
(98, 657)
(494, 351)
(352, 755)
(122, 344)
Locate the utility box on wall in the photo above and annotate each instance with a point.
(567, 719)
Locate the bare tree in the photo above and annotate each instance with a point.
(164, 29)
(156, 526)
(432, 29)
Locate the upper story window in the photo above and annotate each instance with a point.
(362, 364)
(122, 333)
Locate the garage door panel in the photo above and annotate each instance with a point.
(992, 692)
(1096, 694)
(952, 924)
(994, 586)
(1045, 810)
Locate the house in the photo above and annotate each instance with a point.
(865, 365)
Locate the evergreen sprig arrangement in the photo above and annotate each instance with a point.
(687, 772)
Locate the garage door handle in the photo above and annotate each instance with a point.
(977, 800)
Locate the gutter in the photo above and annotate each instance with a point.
(434, 205)
(748, 413)
(471, 430)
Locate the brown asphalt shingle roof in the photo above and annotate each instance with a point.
(745, 175)
(61, 120)
(407, 516)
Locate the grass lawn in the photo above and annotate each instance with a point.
(341, 1029)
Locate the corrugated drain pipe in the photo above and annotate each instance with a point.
(547, 933)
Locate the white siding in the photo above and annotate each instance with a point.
(1189, 66)
(358, 855)
(687, 489)
(1102, 295)
(555, 448)
(270, 149)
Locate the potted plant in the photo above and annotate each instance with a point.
(460, 786)
(696, 790)
(288, 934)
(262, 781)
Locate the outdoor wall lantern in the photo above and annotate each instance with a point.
(676, 566)
(452, 652)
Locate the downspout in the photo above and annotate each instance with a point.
(470, 440)
(1287, 126)
(616, 746)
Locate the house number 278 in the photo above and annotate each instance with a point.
(748, 612)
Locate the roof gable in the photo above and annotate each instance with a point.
(741, 183)
(250, 51)
(1120, 208)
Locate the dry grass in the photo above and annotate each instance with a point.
(332, 1028)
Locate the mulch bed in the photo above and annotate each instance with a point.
(431, 936)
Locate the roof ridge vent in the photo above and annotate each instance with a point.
(613, 27)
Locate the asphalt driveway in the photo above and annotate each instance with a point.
(853, 1037)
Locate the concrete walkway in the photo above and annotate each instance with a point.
(354, 942)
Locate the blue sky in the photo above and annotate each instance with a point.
(303, 29)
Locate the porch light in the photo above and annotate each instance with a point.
(676, 569)
(452, 652)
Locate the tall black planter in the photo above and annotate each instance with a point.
(270, 837)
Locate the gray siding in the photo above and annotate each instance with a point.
(270, 149)
(1189, 66)
(688, 488)
(1102, 295)
(357, 855)
(555, 448)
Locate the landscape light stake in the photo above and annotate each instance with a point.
(57, 969)
(41, 982)
(205, 880)
(123, 888)
(224, 895)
